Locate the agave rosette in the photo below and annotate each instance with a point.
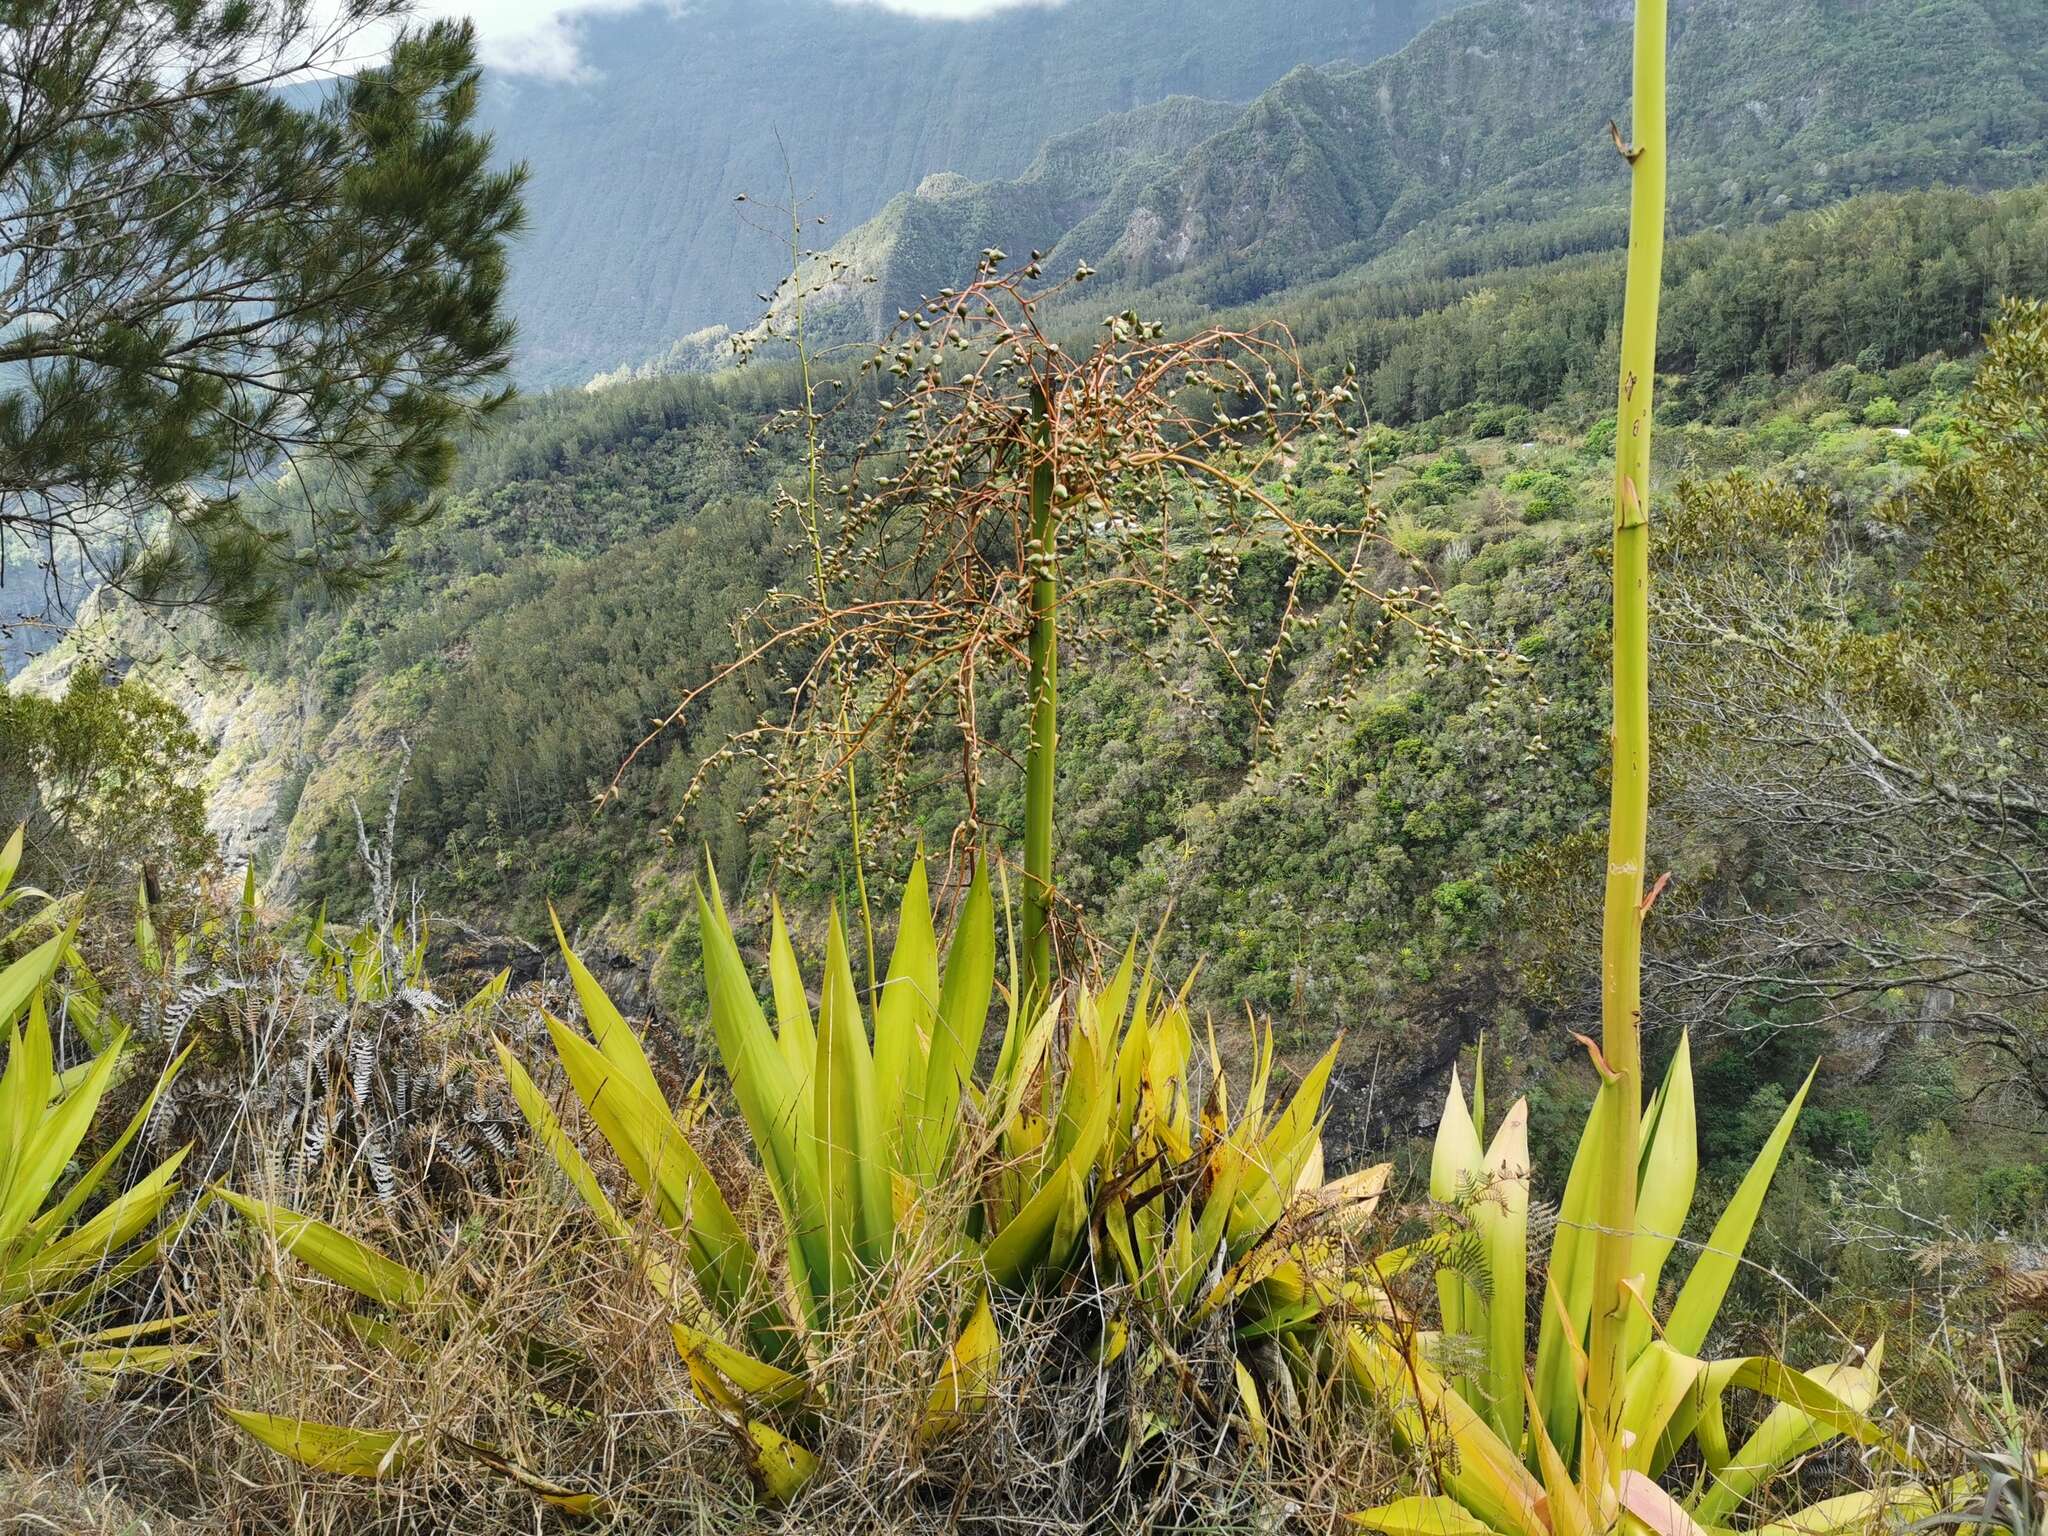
(1529, 1460)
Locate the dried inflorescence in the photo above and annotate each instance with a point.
(1171, 458)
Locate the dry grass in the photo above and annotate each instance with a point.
(542, 1339)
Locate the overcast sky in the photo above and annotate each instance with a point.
(538, 37)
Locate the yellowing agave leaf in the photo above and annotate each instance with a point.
(332, 1448)
(781, 1468)
(659, 1158)
(55, 1219)
(335, 1254)
(490, 993)
(140, 1359)
(1867, 1509)
(1422, 1515)
(1502, 1219)
(1248, 1400)
(1352, 1200)
(758, 1384)
(137, 1260)
(1804, 1420)
(1485, 1475)
(608, 1028)
(968, 1377)
(1564, 1508)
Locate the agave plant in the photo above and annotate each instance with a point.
(1529, 1459)
(862, 1130)
(51, 1263)
(1616, 1391)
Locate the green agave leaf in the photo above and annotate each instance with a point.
(1659, 1384)
(53, 1221)
(765, 1089)
(661, 1161)
(847, 1119)
(964, 997)
(1284, 1152)
(46, 1134)
(547, 1129)
(1568, 1282)
(794, 1031)
(1668, 1172)
(87, 1246)
(1699, 1299)
(1026, 1243)
(904, 1012)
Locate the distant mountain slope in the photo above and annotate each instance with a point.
(1499, 112)
(634, 237)
(1494, 119)
(926, 239)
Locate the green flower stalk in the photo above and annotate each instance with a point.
(1621, 938)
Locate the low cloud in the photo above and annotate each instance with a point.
(540, 38)
(949, 10)
(532, 37)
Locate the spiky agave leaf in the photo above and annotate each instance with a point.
(44, 1116)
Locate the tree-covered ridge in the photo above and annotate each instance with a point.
(1482, 141)
(636, 238)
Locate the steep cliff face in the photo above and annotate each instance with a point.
(279, 763)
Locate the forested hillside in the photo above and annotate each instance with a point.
(600, 547)
(1313, 795)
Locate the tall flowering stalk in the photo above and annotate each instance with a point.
(1621, 966)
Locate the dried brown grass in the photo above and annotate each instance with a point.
(532, 1305)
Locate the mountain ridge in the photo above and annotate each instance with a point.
(1331, 167)
(634, 234)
